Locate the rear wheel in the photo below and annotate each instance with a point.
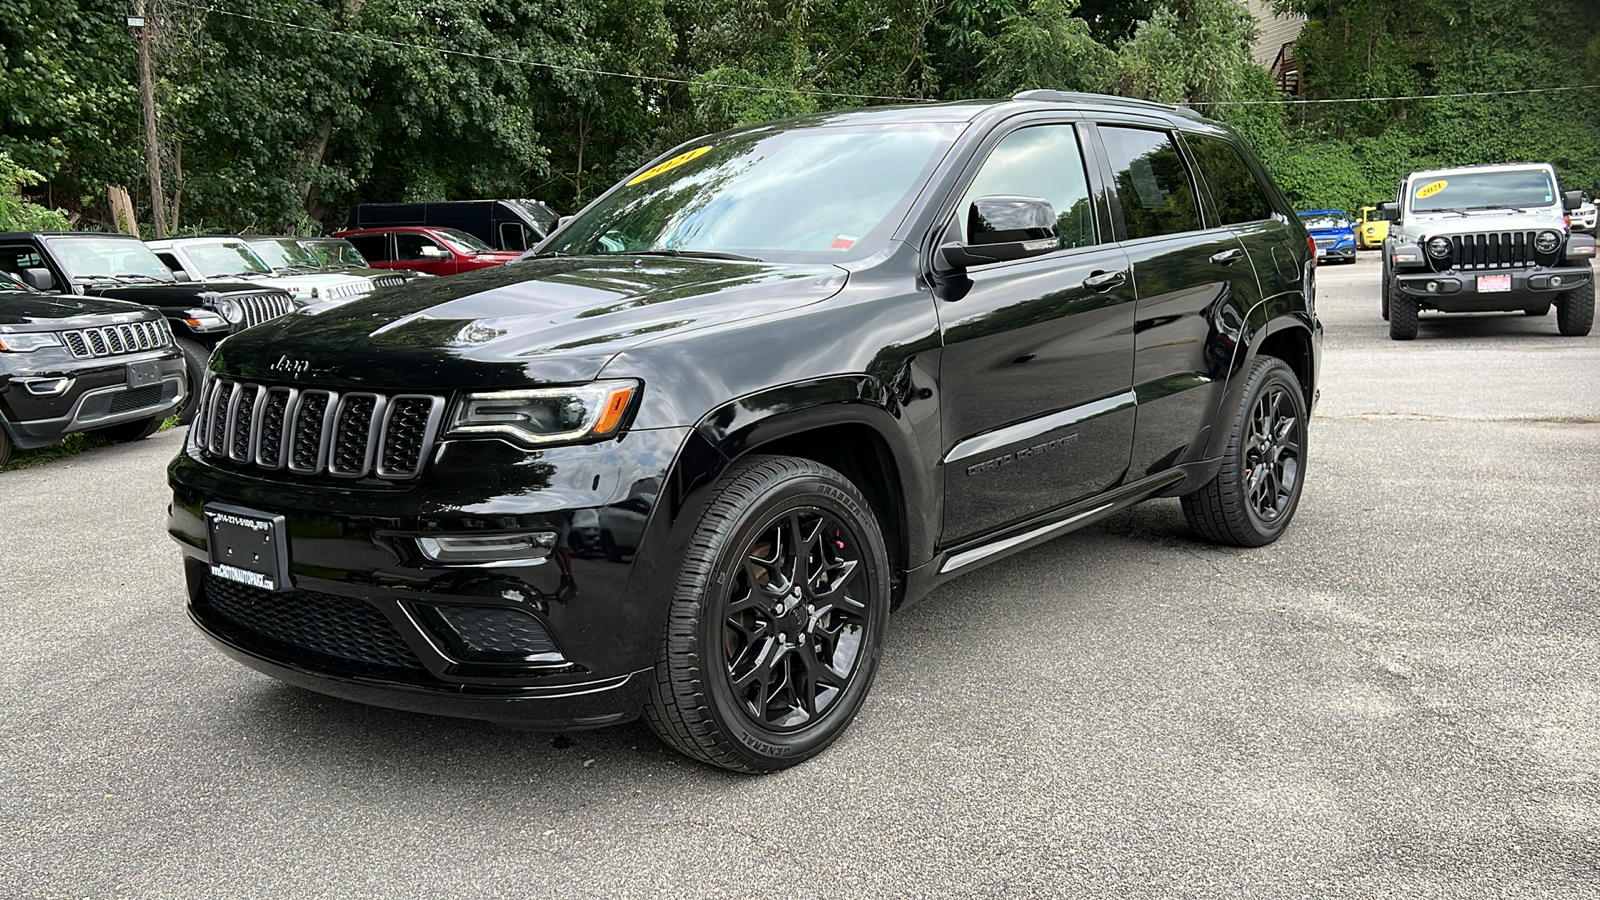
(777, 619)
(1403, 310)
(195, 360)
(129, 432)
(1254, 496)
(1575, 311)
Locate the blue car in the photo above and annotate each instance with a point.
(1333, 232)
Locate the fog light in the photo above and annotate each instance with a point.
(526, 547)
(1555, 281)
(1433, 287)
(46, 387)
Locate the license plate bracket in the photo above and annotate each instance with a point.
(143, 374)
(1494, 284)
(248, 546)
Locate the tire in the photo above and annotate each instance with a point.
(739, 682)
(1543, 310)
(1575, 311)
(5, 447)
(128, 432)
(1384, 295)
(1254, 496)
(1403, 311)
(195, 359)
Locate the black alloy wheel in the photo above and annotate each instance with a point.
(778, 619)
(1255, 494)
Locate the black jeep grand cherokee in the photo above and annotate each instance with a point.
(794, 375)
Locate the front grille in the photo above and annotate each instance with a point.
(324, 624)
(138, 398)
(1326, 242)
(1489, 250)
(384, 281)
(117, 340)
(314, 431)
(350, 291)
(260, 308)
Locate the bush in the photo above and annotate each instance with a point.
(18, 213)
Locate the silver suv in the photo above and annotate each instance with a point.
(1485, 239)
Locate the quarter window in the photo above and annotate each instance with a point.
(1234, 188)
(1154, 187)
(1041, 161)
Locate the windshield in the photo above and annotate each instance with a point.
(284, 253)
(108, 257)
(1483, 190)
(462, 242)
(222, 259)
(1324, 220)
(335, 252)
(792, 193)
(538, 212)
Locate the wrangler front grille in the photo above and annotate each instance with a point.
(311, 431)
(1489, 250)
(117, 340)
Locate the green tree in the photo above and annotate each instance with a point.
(1046, 47)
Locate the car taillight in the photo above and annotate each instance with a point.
(1311, 248)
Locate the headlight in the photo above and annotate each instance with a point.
(546, 415)
(28, 341)
(1547, 242)
(230, 310)
(1439, 247)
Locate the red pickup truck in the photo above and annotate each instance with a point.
(423, 248)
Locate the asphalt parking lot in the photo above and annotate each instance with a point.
(1399, 699)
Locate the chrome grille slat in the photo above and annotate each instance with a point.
(315, 431)
(117, 340)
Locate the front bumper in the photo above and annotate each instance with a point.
(97, 394)
(1458, 291)
(560, 642)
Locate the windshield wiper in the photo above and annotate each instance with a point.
(1520, 209)
(138, 278)
(691, 254)
(1460, 212)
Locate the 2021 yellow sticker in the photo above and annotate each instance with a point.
(1431, 188)
(669, 165)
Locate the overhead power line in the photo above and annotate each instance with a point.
(468, 54)
(762, 89)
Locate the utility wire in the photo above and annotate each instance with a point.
(1461, 94)
(663, 79)
(658, 79)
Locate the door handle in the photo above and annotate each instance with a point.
(1101, 282)
(1227, 257)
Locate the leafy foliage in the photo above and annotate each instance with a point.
(17, 214)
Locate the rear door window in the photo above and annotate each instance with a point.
(374, 247)
(1234, 190)
(1153, 185)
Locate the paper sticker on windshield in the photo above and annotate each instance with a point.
(1431, 188)
(669, 165)
(843, 242)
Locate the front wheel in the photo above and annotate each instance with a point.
(777, 619)
(1254, 496)
(1403, 310)
(195, 359)
(1575, 311)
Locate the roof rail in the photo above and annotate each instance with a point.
(1053, 96)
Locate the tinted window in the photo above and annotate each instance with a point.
(1234, 188)
(511, 236)
(409, 245)
(16, 257)
(371, 246)
(1043, 161)
(1152, 183)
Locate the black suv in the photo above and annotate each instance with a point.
(72, 364)
(120, 266)
(794, 375)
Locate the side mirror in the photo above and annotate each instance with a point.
(1571, 200)
(180, 275)
(1003, 229)
(432, 252)
(39, 279)
(1388, 212)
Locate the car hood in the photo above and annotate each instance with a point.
(179, 293)
(536, 321)
(50, 310)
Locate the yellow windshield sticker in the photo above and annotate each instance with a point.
(1431, 188)
(669, 165)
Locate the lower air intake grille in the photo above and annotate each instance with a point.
(138, 398)
(325, 624)
(497, 631)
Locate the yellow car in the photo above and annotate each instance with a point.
(1372, 230)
